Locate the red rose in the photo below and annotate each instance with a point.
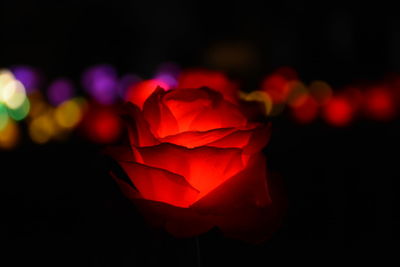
(195, 162)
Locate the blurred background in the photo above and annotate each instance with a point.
(327, 73)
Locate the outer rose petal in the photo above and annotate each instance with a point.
(247, 188)
(250, 140)
(142, 90)
(245, 206)
(138, 127)
(180, 222)
(249, 212)
(160, 185)
(204, 168)
(161, 120)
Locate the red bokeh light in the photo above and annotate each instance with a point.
(102, 125)
(277, 85)
(216, 80)
(307, 112)
(378, 104)
(338, 111)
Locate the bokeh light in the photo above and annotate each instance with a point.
(38, 105)
(28, 76)
(298, 94)
(13, 94)
(20, 112)
(338, 111)
(259, 96)
(378, 104)
(306, 112)
(69, 113)
(42, 128)
(3, 117)
(101, 82)
(196, 78)
(9, 135)
(278, 85)
(102, 125)
(59, 91)
(5, 77)
(168, 73)
(126, 82)
(54, 114)
(321, 91)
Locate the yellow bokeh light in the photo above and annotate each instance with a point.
(321, 91)
(259, 96)
(277, 109)
(9, 135)
(42, 129)
(68, 114)
(298, 94)
(38, 105)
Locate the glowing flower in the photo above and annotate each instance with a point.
(195, 162)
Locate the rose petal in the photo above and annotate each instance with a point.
(160, 118)
(239, 207)
(196, 138)
(139, 92)
(246, 188)
(222, 115)
(138, 127)
(250, 140)
(186, 104)
(160, 185)
(204, 168)
(128, 190)
(179, 222)
(245, 206)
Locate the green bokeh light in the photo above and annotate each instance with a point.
(3, 116)
(21, 112)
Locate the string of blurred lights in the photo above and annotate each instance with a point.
(54, 113)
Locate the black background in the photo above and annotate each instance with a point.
(60, 207)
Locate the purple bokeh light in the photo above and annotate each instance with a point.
(101, 82)
(168, 73)
(59, 91)
(126, 82)
(28, 76)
